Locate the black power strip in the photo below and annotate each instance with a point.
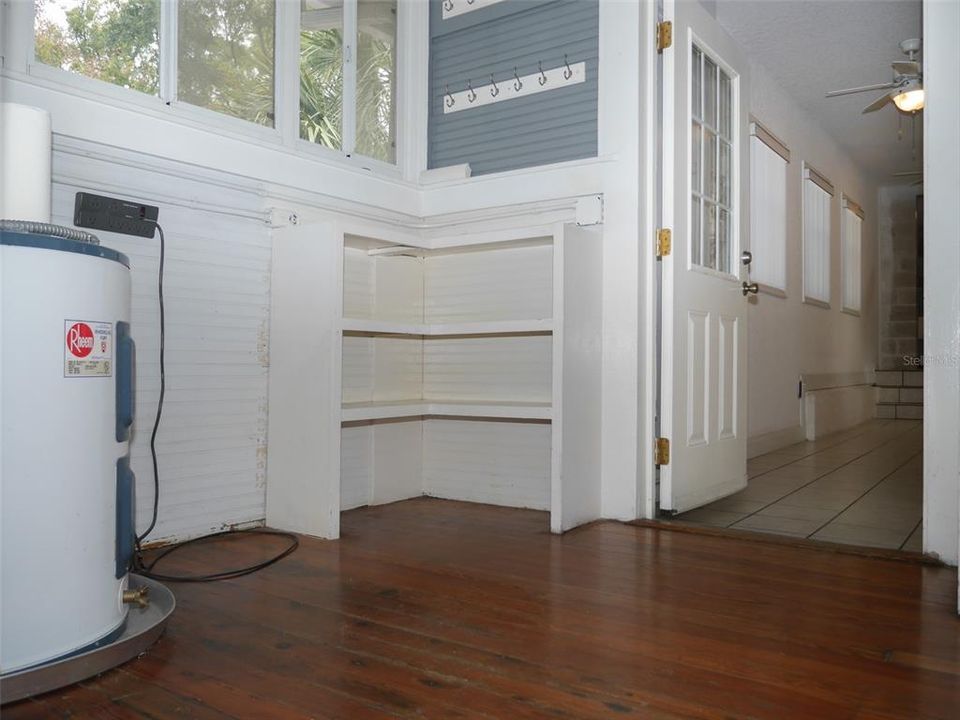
(114, 215)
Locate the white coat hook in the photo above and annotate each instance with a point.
(541, 80)
(567, 73)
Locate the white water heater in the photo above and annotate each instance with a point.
(66, 410)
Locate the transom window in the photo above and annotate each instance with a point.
(711, 164)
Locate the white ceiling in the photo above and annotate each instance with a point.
(812, 46)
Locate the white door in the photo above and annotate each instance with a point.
(703, 309)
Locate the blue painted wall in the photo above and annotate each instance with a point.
(545, 128)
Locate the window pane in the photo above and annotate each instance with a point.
(709, 164)
(696, 84)
(724, 173)
(321, 75)
(695, 150)
(709, 235)
(376, 63)
(695, 231)
(710, 92)
(723, 240)
(225, 57)
(116, 41)
(726, 93)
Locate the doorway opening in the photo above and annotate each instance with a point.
(799, 412)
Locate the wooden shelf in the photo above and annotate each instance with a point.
(492, 327)
(380, 410)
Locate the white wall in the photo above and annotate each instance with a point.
(941, 164)
(788, 338)
(212, 441)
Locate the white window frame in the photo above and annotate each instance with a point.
(768, 245)
(811, 177)
(19, 18)
(851, 273)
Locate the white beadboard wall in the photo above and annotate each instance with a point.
(382, 287)
(212, 441)
(380, 462)
(502, 463)
(511, 367)
(509, 284)
(382, 368)
(356, 466)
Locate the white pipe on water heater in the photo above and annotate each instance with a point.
(25, 162)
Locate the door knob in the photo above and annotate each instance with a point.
(746, 257)
(750, 288)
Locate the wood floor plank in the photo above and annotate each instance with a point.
(437, 609)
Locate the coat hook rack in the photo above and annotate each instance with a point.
(539, 81)
(452, 8)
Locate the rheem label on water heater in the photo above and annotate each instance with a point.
(88, 348)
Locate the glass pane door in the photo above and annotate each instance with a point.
(712, 150)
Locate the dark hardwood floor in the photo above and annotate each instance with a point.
(430, 608)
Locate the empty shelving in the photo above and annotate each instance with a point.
(465, 367)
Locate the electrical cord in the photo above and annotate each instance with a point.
(147, 568)
(163, 390)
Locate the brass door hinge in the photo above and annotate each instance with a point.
(664, 242)
(661, 451)
(664, 35)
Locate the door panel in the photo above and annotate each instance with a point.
(703, 309)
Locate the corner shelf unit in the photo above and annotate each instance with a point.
(464, 367)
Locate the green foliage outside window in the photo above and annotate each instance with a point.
(117, 41)
(226, 61)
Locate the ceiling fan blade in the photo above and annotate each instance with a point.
(906, 67)
(865, 88)
(877, 104)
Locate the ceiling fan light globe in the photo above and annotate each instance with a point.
(909, 100)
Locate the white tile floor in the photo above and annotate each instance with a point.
(863, 486)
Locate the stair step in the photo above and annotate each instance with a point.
(899, 411)
(898, 378)
(899, 395)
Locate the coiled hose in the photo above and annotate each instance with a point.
(40, 228)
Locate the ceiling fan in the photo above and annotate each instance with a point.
(905, 90)
(910, 173)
